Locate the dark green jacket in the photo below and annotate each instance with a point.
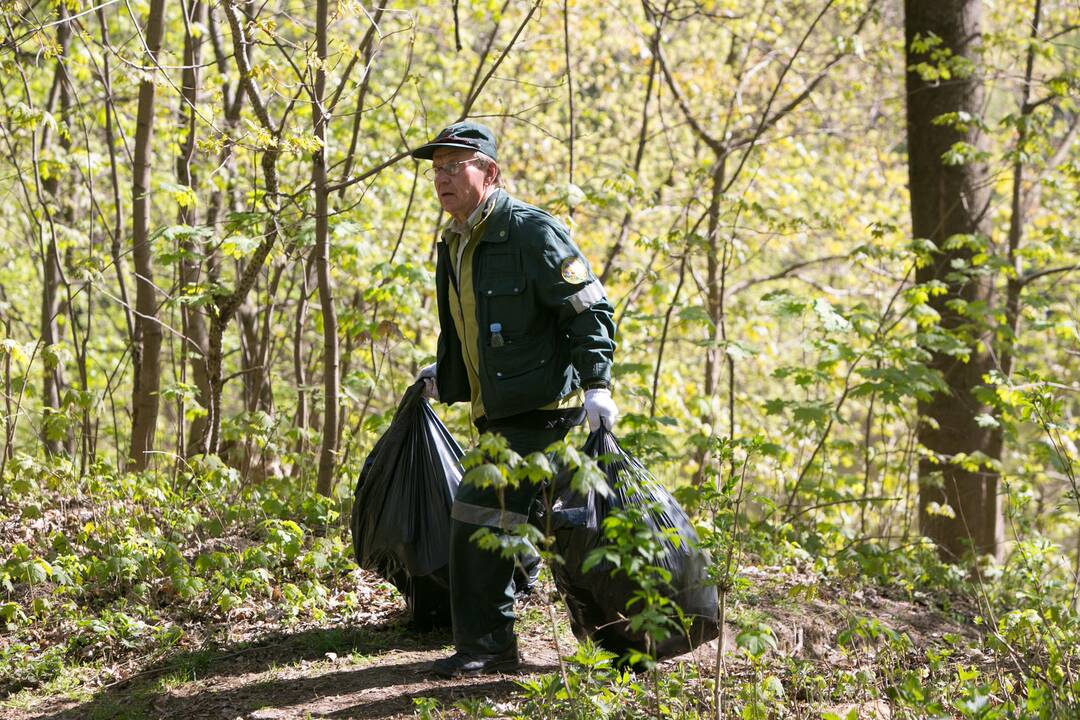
(557, 325)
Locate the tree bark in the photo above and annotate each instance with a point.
(1006, 345)
(331, 358)
(52, 385)
(146, 349)
(114, 181)
(299, 369)
(714, 268)
(947, 201)
(196, 343)
(227, 305)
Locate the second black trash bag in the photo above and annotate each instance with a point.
(401, 514)
(598, 599)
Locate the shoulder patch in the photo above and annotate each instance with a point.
(574, 270)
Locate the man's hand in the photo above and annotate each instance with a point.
(431, 389)
(600, 407)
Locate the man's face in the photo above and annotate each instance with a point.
(460, 194)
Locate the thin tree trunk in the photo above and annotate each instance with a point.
(52, 437)
(1014, 287)
(712, 287)
(714, 306)
(9, 413)
(331, 360)
(571, 130)
(664, 332)
(146, 349)
(265, 355)
(639, 155)
(365, 83)
(227, 305)
(114, 177)
(299, 370)
(948, 204)
(196, 338)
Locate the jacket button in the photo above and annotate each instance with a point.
(502, 233)
(515, 289)
(498, 374)
(488, 292)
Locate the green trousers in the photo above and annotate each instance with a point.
(481, 581)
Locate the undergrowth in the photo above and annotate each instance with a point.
(114, 571)
(105, 575)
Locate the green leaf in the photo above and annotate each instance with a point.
(696, 314)
(588, 477)
(536, 467)
(183, 195)
(831, 320)
(485, 476)
(622, 369)
(756, 640)
(240, 246)
(784, 304)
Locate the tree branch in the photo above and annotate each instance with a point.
(472, 98)
(789, 270)
(776, 90)
(1032, 277)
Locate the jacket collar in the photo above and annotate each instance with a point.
(498, 222)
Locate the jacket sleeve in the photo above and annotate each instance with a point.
(566, 284)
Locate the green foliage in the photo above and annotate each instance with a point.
(123, 574)
(796, 356)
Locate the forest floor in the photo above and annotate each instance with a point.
(371, 665)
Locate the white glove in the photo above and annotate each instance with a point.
(600, 407)
(431, 389)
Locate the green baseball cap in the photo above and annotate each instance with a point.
(467, 135)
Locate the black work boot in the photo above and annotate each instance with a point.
(462, 664)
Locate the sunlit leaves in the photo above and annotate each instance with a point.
(830, 320)
(963, 153)
(941, 63)
(239, 246)
(183, 195)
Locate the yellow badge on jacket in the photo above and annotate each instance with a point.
(574, 270)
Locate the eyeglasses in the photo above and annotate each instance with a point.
(449, 169)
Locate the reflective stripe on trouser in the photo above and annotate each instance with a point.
(481, 581)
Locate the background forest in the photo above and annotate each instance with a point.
(840, 235)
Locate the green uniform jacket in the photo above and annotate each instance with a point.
(557, 329)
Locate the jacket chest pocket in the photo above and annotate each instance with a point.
(502, 262)
(506, 303)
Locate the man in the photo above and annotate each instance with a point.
(524, 324)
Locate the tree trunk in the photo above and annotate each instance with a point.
(227, 305)
(949, 201)
(713, 297)
(52, 380)
(1007, 336)
(114, 182)
(299, 369)
(146, 350)
(331, 369)
(714, 302)
(196, 337)
(639, 155)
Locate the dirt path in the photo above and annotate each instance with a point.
(360, 672)
(377, 671)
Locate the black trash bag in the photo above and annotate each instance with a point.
(401, 515)
(597, 600)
